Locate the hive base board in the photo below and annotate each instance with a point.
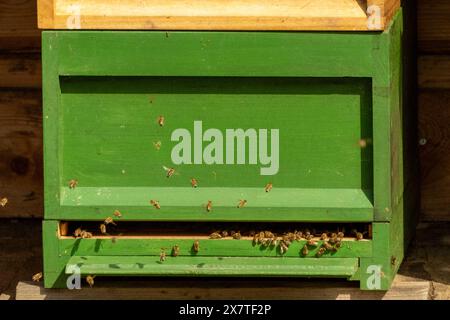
(403, 288)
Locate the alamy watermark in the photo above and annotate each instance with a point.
(227, 148)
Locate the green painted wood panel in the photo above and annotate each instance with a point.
(213, 266)
(209, 247)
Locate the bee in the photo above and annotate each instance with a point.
(320, 252)
(73, 183)
(298, 235)
(323, 236)
(340, 234)
(256, 239)
(161, 120)
(224, 233)
(196, 246)
(215, 235)
(305, 250)
(209, 206)
(90, 280)
(109, 220)
(242, 203)
(311, 243)
(117, 214)
(37, 277)
(307, 233)
(327, 246)
(157, 145)
(169, 171)
(252, 233)
(359, 236)
(309, 237)
(194, 183)
(85, 235)
(155, 204)
(268, 234)
(3, 202)
(103, 228)
(162, 255)
(363, 143)
(77, 232)
(283, 247)
(268, 187)
(175, 250)
(237, 235)
(114, 239)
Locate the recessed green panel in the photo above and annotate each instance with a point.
(110, 133)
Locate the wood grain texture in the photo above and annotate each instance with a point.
(434, 71)
(211, 15)
(21, 178)
(434, 131)
(18, 26)
(433, 26)
(403, 288)
(21, 70)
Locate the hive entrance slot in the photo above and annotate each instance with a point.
(205, 230)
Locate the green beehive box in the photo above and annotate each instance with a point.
(319, 116)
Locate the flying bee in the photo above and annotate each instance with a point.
(194, 183)
(103, 228)
(268, 187)
(77, 232)
(209, 206)
(85, 235)
(242, 203)
(155, 203)
(37, 277)
(117, 214)
(157, 145)
(237, 235)
(109, 220)
(169, 171)
(161, 120)
(320, 252)
(90, 280)
(311, 243)
(162, 255)
(215, 235)
(175, 250)
(196, 246)
(3, 202)
(73, 183)
(305, 250)
(323, 236)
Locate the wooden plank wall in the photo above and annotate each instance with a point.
(20, 109)
(434, 107)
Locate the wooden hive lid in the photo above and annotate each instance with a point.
(340, 15)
